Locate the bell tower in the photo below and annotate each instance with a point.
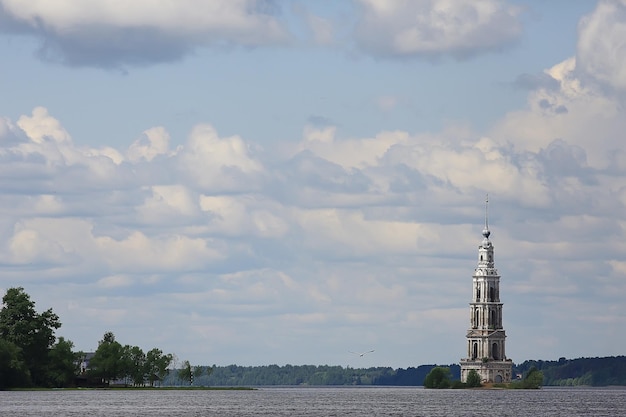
(486, 353)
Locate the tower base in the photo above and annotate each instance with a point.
(489, 371)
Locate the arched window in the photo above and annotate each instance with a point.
(494, 351)
(477, 293)
(492, 294)
(475, 351)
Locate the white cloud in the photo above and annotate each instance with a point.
(349, 153)
(349, 232)
(142, 31)
(41, 126)
(168, 202)
(47, 151)
(39, 240)
(405, 28)
(244, 215)
(46, 204)
(139, 253)
(467, 167)
(115, 281)
(580, 114)
(601, 50)
(152, 143)
(214, 163)
(451, 158)
(181, 16)
(118, 34)
(27, 246)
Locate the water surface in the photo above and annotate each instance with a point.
(335, 401)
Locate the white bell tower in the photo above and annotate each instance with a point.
(486, 353)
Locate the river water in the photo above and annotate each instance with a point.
(335, 401)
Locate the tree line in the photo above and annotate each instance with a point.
(533, 373)
(309, 375)
(596, 372)
(32, 356)
(123, 364)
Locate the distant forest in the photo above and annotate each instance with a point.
(563, 372)
(597, 372)
(311, 375)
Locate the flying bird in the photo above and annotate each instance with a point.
(361, 354)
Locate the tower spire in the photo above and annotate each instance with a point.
(486, 231)
(487, 211)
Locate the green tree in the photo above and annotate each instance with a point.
(137, 365)
(534, 379)
(473, 379)
(438, 377)
(156, 365)
(126, 364)
(13, 370)
(31, 332)
(107, 361)
(63, 363)
(132, 365)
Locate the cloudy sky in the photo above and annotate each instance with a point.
(279, 182)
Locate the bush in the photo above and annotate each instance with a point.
(473, 379)
(438, 377)
(533, 380)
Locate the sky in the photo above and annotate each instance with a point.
(261, 182)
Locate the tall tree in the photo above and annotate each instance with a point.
(63, 363)
(31, 332)
(156, 365)
(13, 370)
(107, 361)
(138, 365)
(126, 364)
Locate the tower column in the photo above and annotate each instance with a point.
(486, 338)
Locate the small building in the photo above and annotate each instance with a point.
(83, 379)
(83, 362)
(486, 338)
